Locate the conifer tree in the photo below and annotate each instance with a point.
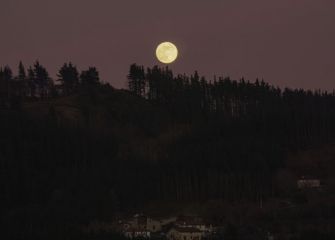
(90, 77)
(22, 72)
(7, 78)
(69, 78)
(21, 82)
(42, 79)
(136, 80)
(31, 83)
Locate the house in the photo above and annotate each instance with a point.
(167, 220)
(136, 233)
(159, 224)
(142, 226)
(194, 222)
(184, 233)
(308, 182)
(181, 228)
(136, 222)
(153, 225)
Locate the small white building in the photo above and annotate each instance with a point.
(157, 224)
(137, 233)
(184, 233)
(194, 222)
(142, 226)
(308, 182)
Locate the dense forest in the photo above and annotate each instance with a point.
(77, 149)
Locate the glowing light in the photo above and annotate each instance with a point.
(166, 52)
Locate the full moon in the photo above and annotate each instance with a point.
(166, 52)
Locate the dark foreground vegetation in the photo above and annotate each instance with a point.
(80, 150)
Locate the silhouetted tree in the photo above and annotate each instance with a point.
(22, 72)
(136, 80)
(90, 77)
(21, 83)
(31, 83)
(6, 79)
(3, 92)
(69, 78)
(42, 80)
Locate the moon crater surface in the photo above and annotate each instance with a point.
(166, 52)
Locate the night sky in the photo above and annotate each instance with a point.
(286, 42)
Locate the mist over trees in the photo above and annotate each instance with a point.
(78, 149)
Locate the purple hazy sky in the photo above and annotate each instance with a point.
(286, 42)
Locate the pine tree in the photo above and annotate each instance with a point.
(31, 83)
(69, 78)
(42, 79)
(136, 80)
(90, 77)
(3, 92)
(21, 83)
(22, 72)
(8, 77)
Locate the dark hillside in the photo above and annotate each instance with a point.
(90, 152)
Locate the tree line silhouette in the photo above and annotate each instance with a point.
(35, 82)
(169, 138)
(300, 117)
(241, 131)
